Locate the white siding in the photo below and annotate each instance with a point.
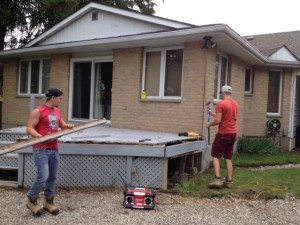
(283, 54)
(107, 25)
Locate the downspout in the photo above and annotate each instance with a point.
(204, 85)
(208, 43)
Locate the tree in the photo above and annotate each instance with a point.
(23, 20)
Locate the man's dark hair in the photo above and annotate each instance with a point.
(53, 92)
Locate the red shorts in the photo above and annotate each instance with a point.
(223, 146)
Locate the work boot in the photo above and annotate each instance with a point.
(49, 205)
(33, 205)
(216, 183)
(228, 183)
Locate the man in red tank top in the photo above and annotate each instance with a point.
(43, 120)
(225, 117)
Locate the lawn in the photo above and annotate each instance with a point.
(250, 184)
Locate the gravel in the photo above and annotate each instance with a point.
(90, 207)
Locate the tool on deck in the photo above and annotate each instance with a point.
(189, 134)
(28, 142)
(208, 120)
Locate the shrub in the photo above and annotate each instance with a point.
(256, 145)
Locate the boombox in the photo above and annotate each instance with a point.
(140, 198)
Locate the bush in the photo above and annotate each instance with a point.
(256, 145)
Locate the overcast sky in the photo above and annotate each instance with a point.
(245, 17)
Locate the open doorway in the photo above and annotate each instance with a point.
(92, 83)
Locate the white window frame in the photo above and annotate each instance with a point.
(29, 77)
(218, 88)
(162, 73)
(280, 94)
(250, 81)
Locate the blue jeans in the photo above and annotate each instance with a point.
(46, 163)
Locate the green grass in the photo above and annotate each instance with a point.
(248, 184)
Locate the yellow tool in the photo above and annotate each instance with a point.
(189, 134)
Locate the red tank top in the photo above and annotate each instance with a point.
(48, 123)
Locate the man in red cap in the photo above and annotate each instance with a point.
(225, 117)
(45, 119)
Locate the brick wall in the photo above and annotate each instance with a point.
(236, 79)
(13, 104)
(60, 75)
(255, 115)
(237, 82)
(127, 109)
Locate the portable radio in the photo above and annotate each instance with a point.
(139, 198)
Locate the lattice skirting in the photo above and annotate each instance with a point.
(8, 162)
(101, 171)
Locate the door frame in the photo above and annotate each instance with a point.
(93, 60)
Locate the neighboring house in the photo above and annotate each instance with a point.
(104, 57)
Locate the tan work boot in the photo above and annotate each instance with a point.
(216, 183)
(33, 205)
(49, 205)
(228, 183)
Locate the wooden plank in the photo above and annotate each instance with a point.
(165, 174)
(182, 164)
(32, 141)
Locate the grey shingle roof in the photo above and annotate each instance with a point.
(269, 43)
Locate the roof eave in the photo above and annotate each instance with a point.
(219, 32)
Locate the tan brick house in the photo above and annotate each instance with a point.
(104, 57)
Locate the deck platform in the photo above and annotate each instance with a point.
(106, 156)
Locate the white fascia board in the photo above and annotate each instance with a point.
(92, 6)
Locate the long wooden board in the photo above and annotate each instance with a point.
(28, 142)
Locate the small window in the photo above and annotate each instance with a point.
(34, 76)
(220, 74)
(249, 81)
(94, 16)
(274, 93)
(162, 77)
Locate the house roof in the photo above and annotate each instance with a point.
(91, 7)
(267, 44)
(172, 33)
(228, 41)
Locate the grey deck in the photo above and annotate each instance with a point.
(102, 156)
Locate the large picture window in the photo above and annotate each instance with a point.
(162, 77)
(34, 76)
(274, 92)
